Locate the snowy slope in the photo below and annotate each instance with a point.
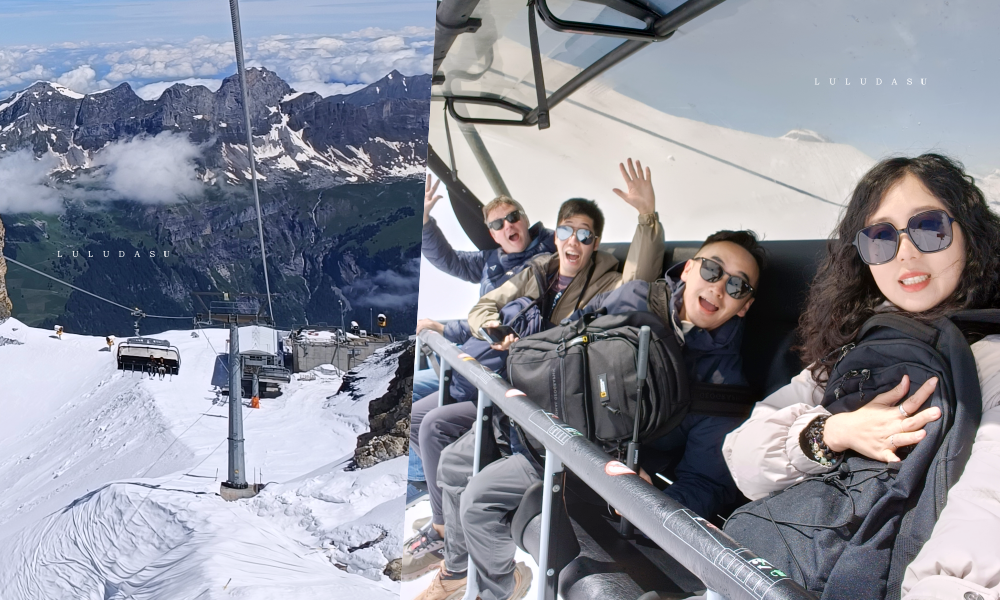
(111, 488)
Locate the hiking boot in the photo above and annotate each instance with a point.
(445, 586)
(420, 524)
(522, 581)
(422, 554)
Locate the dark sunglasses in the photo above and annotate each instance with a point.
(736, 286)
(586, 236)
(929, 231)
(497, 224)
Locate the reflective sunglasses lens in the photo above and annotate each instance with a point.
(711, 271)
(513, 217)
(585, 236)
(563, 232)
(495, 224)
(737, 288)
(930, 231)
(877, 244)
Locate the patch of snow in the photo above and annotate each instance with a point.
(111, 482)
(65, 91)
(804, 135)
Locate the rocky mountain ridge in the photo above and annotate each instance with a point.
(375, 133)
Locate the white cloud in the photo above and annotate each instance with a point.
(326, 89)
(23, 184)
(308, 62)
(151, 170)
(395, 289)
(152, 91)
(82, 79)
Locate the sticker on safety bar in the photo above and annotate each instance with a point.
(561, 433)
(755, 575)
(514, 392)
(617, 468)
(465, 357)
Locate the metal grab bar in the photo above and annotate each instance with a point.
(717, 559)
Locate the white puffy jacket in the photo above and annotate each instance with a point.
(961, 560)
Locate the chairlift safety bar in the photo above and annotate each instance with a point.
(717, 559)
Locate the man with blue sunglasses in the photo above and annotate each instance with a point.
(567, 280)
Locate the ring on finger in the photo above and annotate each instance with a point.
(891, 441)
(902, 411)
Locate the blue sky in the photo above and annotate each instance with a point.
(752, 65)
(328, 46)
(54, 21)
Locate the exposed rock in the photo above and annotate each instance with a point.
(5, 304)
(377, 132)
(389, 416)
(394, 570)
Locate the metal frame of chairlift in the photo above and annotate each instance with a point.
(718, 560)
(453, 20)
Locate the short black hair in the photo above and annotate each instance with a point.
(743, 238)
(582, 206)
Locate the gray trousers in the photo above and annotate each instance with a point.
(475, 514)
(432, 428)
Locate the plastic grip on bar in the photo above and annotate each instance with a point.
(643, 352)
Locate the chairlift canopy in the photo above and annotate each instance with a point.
(486, 59)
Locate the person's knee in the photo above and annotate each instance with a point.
(474, 501)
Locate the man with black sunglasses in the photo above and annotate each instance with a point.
(507, 222)
(708, 296)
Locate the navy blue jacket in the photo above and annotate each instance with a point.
(710, 356)
(489, 268)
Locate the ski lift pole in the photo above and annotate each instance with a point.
(236, 461)
(234, 10)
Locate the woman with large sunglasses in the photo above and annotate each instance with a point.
(917, 237)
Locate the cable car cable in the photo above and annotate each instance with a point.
(79, 289)
(234, 10)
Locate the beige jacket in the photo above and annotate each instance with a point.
(963, 552)
(644, 261)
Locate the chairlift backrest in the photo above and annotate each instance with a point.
(768, 361)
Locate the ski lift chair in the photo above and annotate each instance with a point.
(147, 355)
(596, 561)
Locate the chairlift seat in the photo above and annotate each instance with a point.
(148, 355)
(528, 516)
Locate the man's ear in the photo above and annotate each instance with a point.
(597, 242)
(746, 307)
(688, 265)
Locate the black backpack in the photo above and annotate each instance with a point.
(851, 533)
(585, 374)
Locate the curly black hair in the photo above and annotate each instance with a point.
(844, 295)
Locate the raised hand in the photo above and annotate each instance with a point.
(640, 188)
(429, 198)
(879, 428)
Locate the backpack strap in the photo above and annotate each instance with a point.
(911, 327)
(720, 400)
(658, 300)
